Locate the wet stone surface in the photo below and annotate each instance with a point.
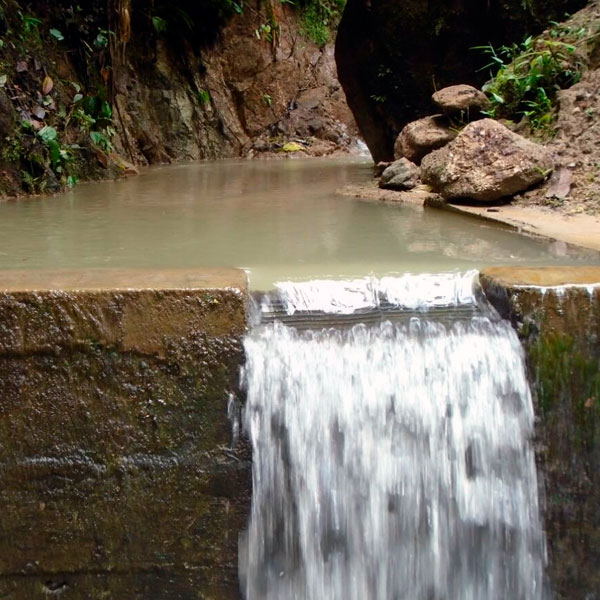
(556, 312)
(120, 479)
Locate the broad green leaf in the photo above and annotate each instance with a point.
(57, 34)
(48, 134)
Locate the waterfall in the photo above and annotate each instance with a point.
(392, 457)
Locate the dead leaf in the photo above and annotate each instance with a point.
(560, 183)
(589, 403)
(21, 66)
(39, 113)
(102, 158)
(105, 73)
(47, 85)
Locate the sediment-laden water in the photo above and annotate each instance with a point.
(277, 219)
(392, 458)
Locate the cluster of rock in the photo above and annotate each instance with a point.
(461, 154)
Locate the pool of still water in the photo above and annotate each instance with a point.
(277, 219)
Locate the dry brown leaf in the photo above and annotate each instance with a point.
(47, 85)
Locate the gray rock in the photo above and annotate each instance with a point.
(486, 162)
(400, 175)
(464, 100)
(420, 137)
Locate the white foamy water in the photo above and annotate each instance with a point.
(391, 461)
(417, 292)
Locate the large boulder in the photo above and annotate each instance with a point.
(486, 162)
(464, 101)
(421, 137)
(392, 53)
(400, 175)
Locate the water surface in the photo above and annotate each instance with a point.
(279, 219)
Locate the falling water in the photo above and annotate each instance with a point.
(392, 457)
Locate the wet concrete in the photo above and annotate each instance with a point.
(556, 312)
(120, 478)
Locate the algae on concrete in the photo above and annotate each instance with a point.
(556, 312)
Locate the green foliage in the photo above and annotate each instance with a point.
(203, 96)
(320, 17)
(159, 24)
(57, 35)
(528, 77)
(101, 41)
(264, 32)
(102, 139)
(29, 24)
(60, 156)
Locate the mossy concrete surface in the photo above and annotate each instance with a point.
(556, 312)
(120, 478)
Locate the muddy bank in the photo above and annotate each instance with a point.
(581, 230)
(121, 475)
(556, 313)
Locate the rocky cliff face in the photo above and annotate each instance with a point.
(392, 55)
(252, 91)
(147, 91)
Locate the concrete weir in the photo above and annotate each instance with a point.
(119, 476)
(556, 312)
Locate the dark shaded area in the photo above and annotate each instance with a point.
(393, 54)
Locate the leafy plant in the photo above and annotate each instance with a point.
(29, 23)
(265, 31)
(102, 140)
(101, 40)
(160, 25)
(319, 17)
(60, 155)
(57, 35)
(528, 77)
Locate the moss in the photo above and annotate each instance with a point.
(560, 331)
(564, 375)
(320, 18)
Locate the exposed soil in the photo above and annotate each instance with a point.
(576, 144)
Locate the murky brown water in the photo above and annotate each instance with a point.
(279, 219)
